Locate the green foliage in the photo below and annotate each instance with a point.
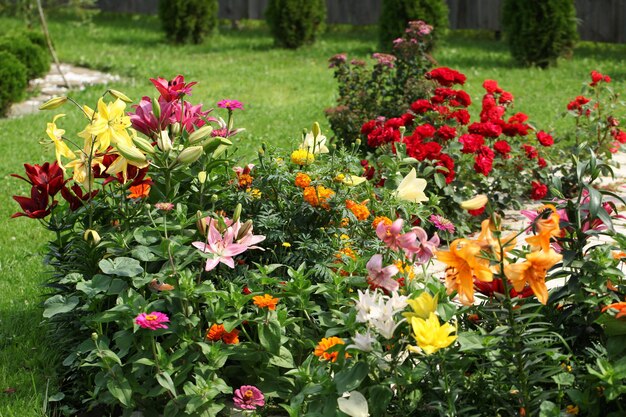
(539, 32)
(34, 57)
(188, 20)
(396, 14)
(13, 81)
(294, 23)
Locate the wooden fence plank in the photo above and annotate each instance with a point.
(600, 20)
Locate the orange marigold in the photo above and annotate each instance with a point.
(360, 211)
(318, 196)
(139, 191)
(386, 220)
(302, 180)
(265, 300)
(405, 268)
(324, 345)
(346, 252)
(245, 180)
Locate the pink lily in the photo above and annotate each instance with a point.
(380, 277)
(420, 248)
(222, 247)
(244, 235)
(390, 234)
(172, 90)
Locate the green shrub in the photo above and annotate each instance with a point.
(294, 23)
(188, 20)
(36, 38)
(35, 59)
(396, 14)
(13, 81)
(539, 32)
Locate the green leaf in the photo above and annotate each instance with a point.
(612, 326)
(378, 399)
(122, 266)
(58, 304)
(564, 379)
(121, 390)
(595, 200)
(284, 359)
(470, 341)
(165, 380)
(146, 236)
(549, 409)
(144, 254)
(269, 336)
(440, 180)
(349, 379)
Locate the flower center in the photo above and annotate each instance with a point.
(151, 317)
(248, 394)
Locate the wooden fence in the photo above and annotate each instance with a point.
(599, 20)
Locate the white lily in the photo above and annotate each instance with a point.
(314, 141)
(355, 405)
(412, 188)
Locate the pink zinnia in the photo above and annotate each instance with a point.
(230, 105)
(164, 206)
(442, 223)
(152, 321)
(248, 397)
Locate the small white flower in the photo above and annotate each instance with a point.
(363, 342)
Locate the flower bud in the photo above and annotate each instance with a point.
(175, 128)
(163, 141)
(94, 336)
(156, 108)
(243, 231)
(200, 134)
(200, 223)
(53, 103)
(237, 213)
(91, 235)
(358, 142)
(214, 198)
(132, 153)
(189, 155)
(120, 95)
(475, 203)
(143, 144)
(316, 130)
(219, 151)
(202, 177)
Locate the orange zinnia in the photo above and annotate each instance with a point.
(533, 271)
(302, 180)
(464, 264)
(547, 226)
(324, 345)
(318, 196)
(620, 307)
(265, 300)
(217, 333)
(139, 191)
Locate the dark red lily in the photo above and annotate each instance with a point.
(496, 286)
(48, 177)
(35, 207)
(76, 197)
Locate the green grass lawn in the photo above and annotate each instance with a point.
(283, 91)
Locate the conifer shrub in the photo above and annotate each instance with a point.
(35, 58)
(13, 81)
(538, 32)
(294, 23)
(187, 21)
(396, 14)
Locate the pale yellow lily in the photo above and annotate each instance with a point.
(60, 147)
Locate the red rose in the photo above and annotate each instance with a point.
(531, 151)
(502, 147)
(505, 97)
(538, 190)
(425, 131)
(446, 132)
(446, 76)
(544, 138)
(462, 116)
(491, 86)
(471, 142)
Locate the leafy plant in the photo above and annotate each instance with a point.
(13, 81)
(188, 20)
(396, 14)
(294, 23)
(34, 57)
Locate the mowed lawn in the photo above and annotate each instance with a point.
(283, 91)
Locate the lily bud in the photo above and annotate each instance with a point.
(200, 223)
(163, 141)
(316, 130)
(358, 142)
(214, 198)
(243, 231)
(53, 103)
(94, 336)
(120, 95)
(475, 203)
(175, 128)
(219, 150)
(156, 108)
(189, 155)
(200, 134)
(131, 153)
(143, 144)
(91, 236)
(202, 177)
(237, 213)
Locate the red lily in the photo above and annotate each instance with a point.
(496, 286)
(47, 177)
(35, 207)
(172, 90)
(75, 196)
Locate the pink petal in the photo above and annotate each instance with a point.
(228, 261)
(211, 263)
(201, 245)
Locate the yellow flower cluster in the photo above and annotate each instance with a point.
(429, 334)
(302, 157)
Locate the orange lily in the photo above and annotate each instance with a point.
(547, 227)
(464, 264)
(488, 242)
(620, 307)
(533, 271)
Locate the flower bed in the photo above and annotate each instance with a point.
(184, 284)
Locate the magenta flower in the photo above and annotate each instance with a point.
(152, 321)
(442, 223)
(164, 206)
(380, 277)
(248, 397)
(230, 105)
(390, 234)
(172, 90)
(193, 117)
(420, 250)
(222, 247)
(144, 120)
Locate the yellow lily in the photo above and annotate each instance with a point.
(422, 306)
(431, 335)
(109, 124)
(60, 147)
